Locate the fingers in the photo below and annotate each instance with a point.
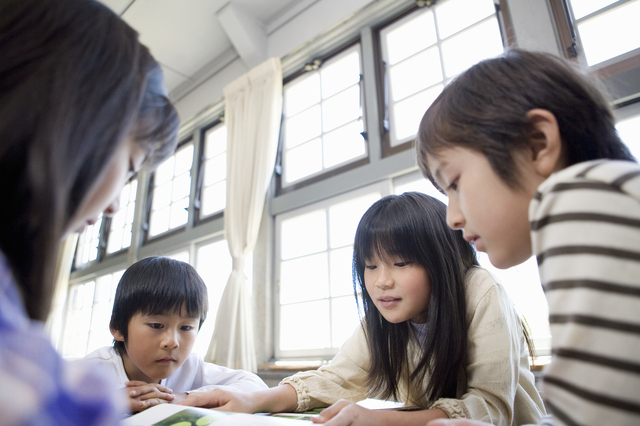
(209, 399)
(338, 413)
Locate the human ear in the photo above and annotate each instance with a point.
(117, 336)
(546, 143)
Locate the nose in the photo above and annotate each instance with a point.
(170, 339)
(384, 280)
(112, 208)
(455, 218)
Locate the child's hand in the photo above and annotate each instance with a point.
(237, 402)
(344, 413)
(143, 395)
(456, 422)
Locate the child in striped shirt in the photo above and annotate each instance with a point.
(526, 148)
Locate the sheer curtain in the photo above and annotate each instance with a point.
(253, 109)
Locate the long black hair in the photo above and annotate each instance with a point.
(413, 227)
(74, 82)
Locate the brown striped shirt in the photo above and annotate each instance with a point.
(585, 229)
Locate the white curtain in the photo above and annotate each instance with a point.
(253, 109)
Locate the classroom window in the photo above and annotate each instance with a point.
(88, 244)
(213, 192)
(120, 229)
(607, 28)
(323, 123)
(423, 51)
(315, 250)
(214, 264)
(170, 192)
(89, 306)
(629, 131)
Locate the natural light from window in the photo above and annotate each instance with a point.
(316, 249)
(122, 222)
(607, 28)
(171, 189)
(323, 124)
(214, 186)
(423, 51)
(88, 244)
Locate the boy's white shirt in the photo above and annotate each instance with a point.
(194, 374)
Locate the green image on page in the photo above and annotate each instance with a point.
(206, 420)
(182, 424)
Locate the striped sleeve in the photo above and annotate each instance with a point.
(585, 227)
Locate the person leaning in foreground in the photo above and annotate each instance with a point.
(526, 148)
(82, 108)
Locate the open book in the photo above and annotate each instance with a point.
(180, 415)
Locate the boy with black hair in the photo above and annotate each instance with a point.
(159, 307)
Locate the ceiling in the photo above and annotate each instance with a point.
(190, 38)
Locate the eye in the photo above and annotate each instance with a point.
(370, 267)
(156, 325)
(454, 185)
(401, 264)
(187, 328)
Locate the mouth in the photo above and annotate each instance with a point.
(471, 239)
(388, 302)
(167, 360)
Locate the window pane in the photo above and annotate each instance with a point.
(314, 228)
(611, 33)
(164, 172)
(471, 46)
(307, 144)
(629, 131)
(301, 94)
(451, 20)
(303, 126)
(120, 228)
(215, 169)
(341, 109)
(412, 37)
(344, 319)
(88, 315)
(340, 74)
(408, 112)
(213, 193)
(315, 285)
(214, 198)
(582, 8)
(169, 208)
(303, 161)
(415, 74)
(215, 141)
(343, 144)
(88, 243)
(297, 332)
(340, 262)
(344, 219)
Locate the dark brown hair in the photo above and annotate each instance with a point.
(74, 81)
(485, 109)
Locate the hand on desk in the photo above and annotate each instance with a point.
(143, 395)
(457, 422)
(344, 413)
(224, 400)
